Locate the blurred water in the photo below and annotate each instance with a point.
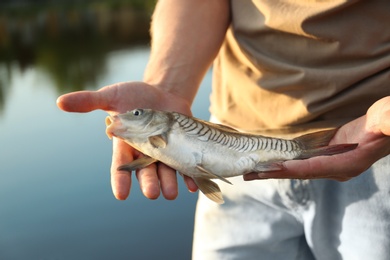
(55, 195)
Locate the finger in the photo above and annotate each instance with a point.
(322, 167)
(261, 176)
(84, 101)
(342, 165)
(300, 169)
(168, 181)
(120, 180)
(190, 183)
(252, 176)
(148, 181)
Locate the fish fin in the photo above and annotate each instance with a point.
(316, 139)
(269, 167)
(212, 175)
(210, 189)
(137, 164)
(218, 126)
(225, 127)
(158, 141)
(316, 144)
(327, 150)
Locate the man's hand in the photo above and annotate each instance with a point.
(371, 131)
(119, 98)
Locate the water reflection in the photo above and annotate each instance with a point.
(67, 42)
(5, 78)
(55, 197)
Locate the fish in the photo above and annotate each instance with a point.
(205, 151)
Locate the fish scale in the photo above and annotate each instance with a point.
(238, 143)
(205, 151)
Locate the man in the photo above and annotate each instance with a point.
(284, 67)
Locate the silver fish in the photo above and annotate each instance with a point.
(205, 151)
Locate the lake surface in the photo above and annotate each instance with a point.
(55, 195)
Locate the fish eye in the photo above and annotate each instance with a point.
(138, 112)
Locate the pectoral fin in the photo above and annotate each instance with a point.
(269, 167)
(137, 164)
(210, 189)
(212, 175)
(158, 141)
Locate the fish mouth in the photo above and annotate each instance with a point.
(110, 125)
(115, 127)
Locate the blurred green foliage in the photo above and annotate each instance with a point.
(68, 40)
(28, 7)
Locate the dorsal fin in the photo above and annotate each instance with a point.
(225, 127)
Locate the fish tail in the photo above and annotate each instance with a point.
(316, 144)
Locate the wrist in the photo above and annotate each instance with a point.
(177, 80)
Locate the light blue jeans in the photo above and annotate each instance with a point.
(298, 219)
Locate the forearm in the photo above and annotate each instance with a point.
(186, 37)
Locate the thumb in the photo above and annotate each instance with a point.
(378, 116)
(385, 123)
(82, 101)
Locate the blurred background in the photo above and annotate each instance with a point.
(55, 195)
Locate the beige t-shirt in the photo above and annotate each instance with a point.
(301, 64)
